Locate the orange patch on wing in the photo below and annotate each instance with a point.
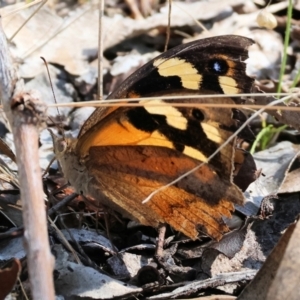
(121, 133)
(129, 174)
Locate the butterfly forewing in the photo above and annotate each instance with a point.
(215, 65)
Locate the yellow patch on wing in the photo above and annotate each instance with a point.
(156, 139)
(228, 85)
(189, 76)
(173, 116)
(194, 153)
(212, 132)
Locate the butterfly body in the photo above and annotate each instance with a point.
(123, 154)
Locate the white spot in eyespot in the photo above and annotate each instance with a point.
(217, 67)
(173, 116)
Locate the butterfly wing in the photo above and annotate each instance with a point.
(127, 175)
(212, 65)
(134, 151)
(130, 152)
(195, 132)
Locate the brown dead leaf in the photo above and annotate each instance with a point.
(290, 183)
(274, 162)
(8, 277)
(78, 281)
(279, 277)
(4, 149)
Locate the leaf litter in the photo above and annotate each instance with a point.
(190, 269)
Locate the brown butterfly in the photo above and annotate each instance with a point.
(123, 154)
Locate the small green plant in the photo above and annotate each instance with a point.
(269, 133)
(266, 136)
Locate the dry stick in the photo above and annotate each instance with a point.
(24, 119)
(62, 203)
(169, 26)
(40, 261)
(12, 233)
(160, 241)
(100, 50)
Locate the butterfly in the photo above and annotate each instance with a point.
(123, 154)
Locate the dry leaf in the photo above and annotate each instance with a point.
(290, 183)
(8, 277)
(279, 277)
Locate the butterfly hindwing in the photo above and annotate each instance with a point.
(129, 174)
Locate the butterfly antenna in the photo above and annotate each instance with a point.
(51, 85)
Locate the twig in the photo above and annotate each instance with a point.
(65, 242)
(12, 233)
(169, 26)
(161, 240)
(25, 114)
(100, 50)
(195, 286)
(62, 203)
